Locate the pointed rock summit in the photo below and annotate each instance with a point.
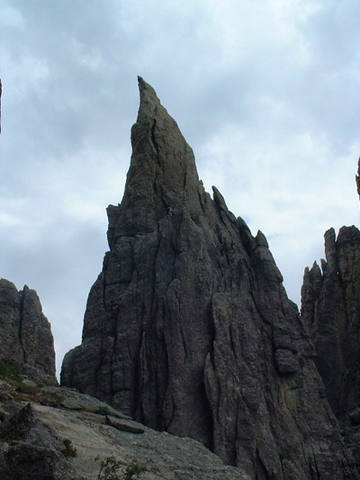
(162, 173)
(330, 299)
(188, 327)
(357, 178)
(26, 340)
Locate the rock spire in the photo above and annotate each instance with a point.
(25, 334)
(330, 299)
(188, 327)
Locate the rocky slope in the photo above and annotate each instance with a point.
(53, 433)
(25, 334)
(331, 309)
(188, 327)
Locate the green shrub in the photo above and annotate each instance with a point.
(69, 450)
(8, 370)
(110, 469)
(103, 411)
(30, 389)
(133, 471)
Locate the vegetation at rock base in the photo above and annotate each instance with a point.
(133, 471)
(102, 411)
(69, 450)
(112, 469)
(8, 370)
(29, 389)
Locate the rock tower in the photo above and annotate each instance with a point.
(188, 327)
(25, 334)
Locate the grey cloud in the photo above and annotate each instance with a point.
(267, 101)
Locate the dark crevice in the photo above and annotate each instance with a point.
(21, 324)
(153, 139)
(118, 282)
(102, 349)
(342, 347)
(154, 271)
(261, 471)
(318, 476)
(113, 355)
(137, 411)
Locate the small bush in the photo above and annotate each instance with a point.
(56, 397)
(133, 471)
(103, 411)
(8, 370)
(69, 450)
(29, 389)
(110, 469)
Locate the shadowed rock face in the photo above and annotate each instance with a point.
(25, 334)
(29, 449)
(331, 308)
(188, 327)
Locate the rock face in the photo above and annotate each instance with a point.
(65, 435)
(25, 335)
(188, 327)
(331, 309)
(29, 449)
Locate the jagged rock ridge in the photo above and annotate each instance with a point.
(331, 309)
(25, 334)
(189, 329)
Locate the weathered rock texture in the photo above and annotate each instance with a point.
(30, 449)
(25, 335)
(64, 435)
(188, 327)
(331, 309)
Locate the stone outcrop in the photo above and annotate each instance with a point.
(29, 449)
(188, 328)
(25, 334)
(331, 309)
(55, 433)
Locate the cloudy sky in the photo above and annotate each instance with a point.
(266, 92)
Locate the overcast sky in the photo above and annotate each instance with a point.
(266, 92)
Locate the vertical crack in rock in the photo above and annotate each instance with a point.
(207, 344)
(21, 322)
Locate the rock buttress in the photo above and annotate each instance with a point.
(25, 334)
(331, 309)
(188, 327)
